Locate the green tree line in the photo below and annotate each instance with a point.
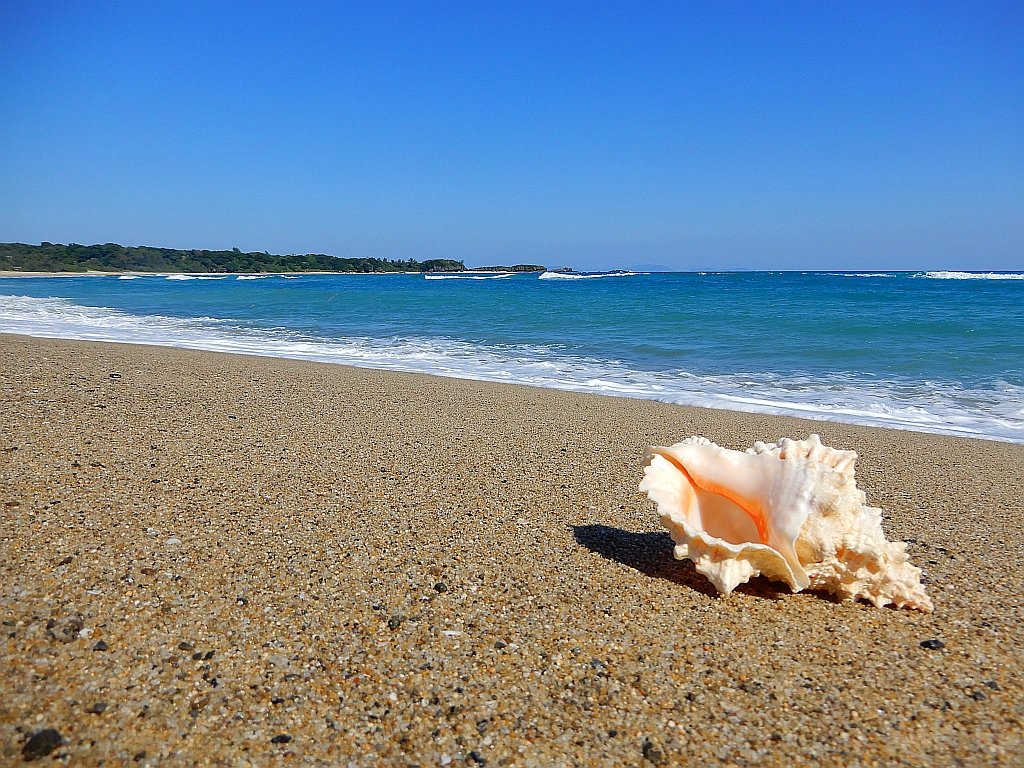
(111, 257)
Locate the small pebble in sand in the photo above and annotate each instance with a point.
(41, 743)
(281, 738)
(653, 752)
(65, 630)
(933, 644)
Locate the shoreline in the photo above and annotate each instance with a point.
(814, 418)
(210, 557)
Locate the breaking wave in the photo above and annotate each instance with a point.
(946, 275)
(585, 275)
(994, 410)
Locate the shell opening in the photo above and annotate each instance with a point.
(718, 511)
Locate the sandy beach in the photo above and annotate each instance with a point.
(223, 560)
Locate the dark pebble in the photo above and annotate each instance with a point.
(933, 644)
(98, 708)
(100, 646)
(477, 758)
(394, 622)
(197, 705)
(441, 586)
(115, 375)
(653, 752)
(612, 733)
(184, 645)
(499, 644)
(139, 756)
(208, 655)
(41, 743)
(281, 738)
(66, 560)
(992, 684)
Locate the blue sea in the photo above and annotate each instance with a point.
(929, 351)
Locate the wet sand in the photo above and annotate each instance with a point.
(215, 559)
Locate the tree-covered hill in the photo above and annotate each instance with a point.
(111, 257)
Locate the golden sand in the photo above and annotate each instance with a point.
(222, 560)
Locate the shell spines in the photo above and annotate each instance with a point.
(821, 533)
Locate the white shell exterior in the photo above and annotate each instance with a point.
(790, 511)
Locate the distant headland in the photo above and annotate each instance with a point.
(111, 257)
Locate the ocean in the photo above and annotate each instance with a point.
(929, 351)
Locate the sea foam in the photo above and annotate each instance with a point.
(929, 406)
(944, 275)
(585, 275)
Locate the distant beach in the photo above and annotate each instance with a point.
(217, 558)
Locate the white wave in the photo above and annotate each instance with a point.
(867, 274)
(196, 277)
(252, 277)
(468, 277)
(127, 277)
(946, 275)
(940, 407)
(585, 275)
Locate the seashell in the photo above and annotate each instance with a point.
(790, 511)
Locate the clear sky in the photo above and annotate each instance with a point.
(711, 135)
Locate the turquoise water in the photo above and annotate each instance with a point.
(940, 351)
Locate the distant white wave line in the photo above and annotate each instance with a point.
(468, 277)
(931, 407)
(868, 274)
(943, 275)
(575, 276)
(264, 276)
(197, 277)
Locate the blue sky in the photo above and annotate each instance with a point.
(725, 135)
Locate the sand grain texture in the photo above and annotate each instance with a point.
(211, 559)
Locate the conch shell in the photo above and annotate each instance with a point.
(790, 511)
